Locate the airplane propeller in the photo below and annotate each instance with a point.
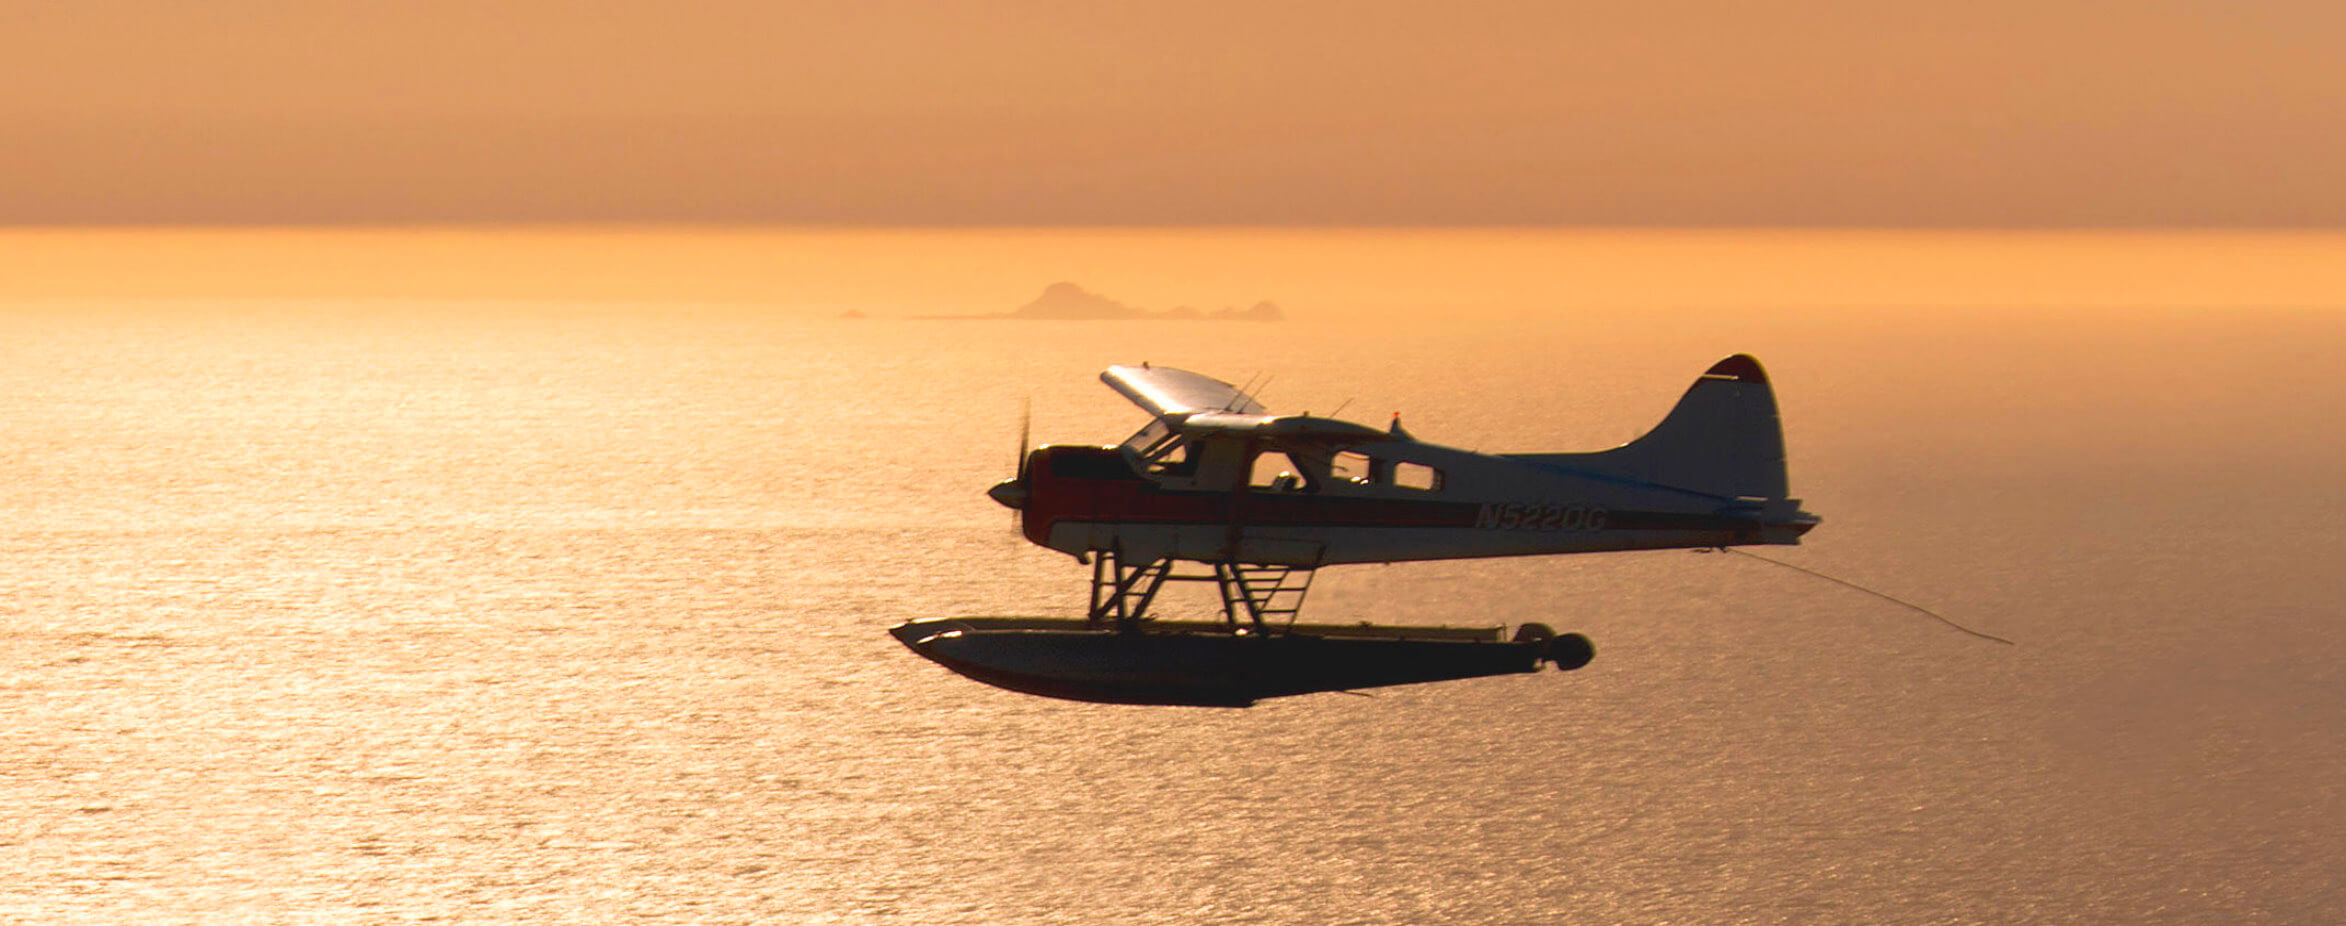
(1026, 420)
(1011, 493)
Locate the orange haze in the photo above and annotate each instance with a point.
(1026, 112)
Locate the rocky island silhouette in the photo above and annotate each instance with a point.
(1065, 301)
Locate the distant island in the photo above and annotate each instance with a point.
(1064, 301)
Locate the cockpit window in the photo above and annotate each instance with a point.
(1352, 465)
(1275, 472)
(1181, 459)
(1417, 476)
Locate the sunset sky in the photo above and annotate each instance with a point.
(1995, 114)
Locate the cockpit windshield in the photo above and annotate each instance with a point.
(1153, 439)
(1159, 451)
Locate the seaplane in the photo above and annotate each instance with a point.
(1216, 489)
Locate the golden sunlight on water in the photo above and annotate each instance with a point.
(378, 608)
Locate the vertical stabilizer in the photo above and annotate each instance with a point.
(1722, 439)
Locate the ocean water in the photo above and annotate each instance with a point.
(512, 612)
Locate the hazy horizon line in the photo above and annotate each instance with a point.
(743, 225)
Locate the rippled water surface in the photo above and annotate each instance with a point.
(501, 612)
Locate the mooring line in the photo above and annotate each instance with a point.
(1893, 599)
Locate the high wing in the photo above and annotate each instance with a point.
(1178, 394)
(1191, 406)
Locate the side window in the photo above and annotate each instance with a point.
(1274, 472)
(1417, 476)
(1351, 465)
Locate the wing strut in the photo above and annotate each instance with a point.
(1122, 593)
(1254, 596)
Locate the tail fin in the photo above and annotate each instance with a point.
(1723, 439)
